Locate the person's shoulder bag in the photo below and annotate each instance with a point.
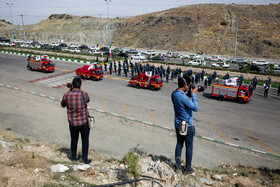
(91, 121)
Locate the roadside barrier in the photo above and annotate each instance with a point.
(140, 121)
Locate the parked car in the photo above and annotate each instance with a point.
(261, 62)
(158, 58)
(94, 52)
(123, 54)
(239, 61)
(132, 51)
(218, 65)
(63, 45)
(138, 57)
(104, 49)
(253, 68)
(83, 47)
(150, 52)
(74, 50)
(94, 48)
(193, 56)
(216, 58)
(196, 62)
(64, 49)
(171, 54)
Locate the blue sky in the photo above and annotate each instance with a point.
(37, 10)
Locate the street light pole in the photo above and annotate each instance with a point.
(23, 27)
(10, 5)
(108, 22)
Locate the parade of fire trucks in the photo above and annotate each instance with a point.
(144, 75)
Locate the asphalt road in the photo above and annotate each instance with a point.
(254, 125)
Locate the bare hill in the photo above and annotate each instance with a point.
(208, 28)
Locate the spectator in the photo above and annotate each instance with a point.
(183, 107)
(77, 113)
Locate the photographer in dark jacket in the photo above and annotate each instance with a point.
(183, 107)
(77, 118)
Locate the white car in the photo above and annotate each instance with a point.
(196, 62)
(94, 48)
(74, 50)
(54, 44)
(218, 65)
(261, 63)
(150, 52)
(138, 57)
(193, 56)
(96, 51)
(64, 49)
(216, 58)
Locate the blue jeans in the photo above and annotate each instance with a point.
(188, 140)
(74, 132)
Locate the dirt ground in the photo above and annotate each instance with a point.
(26, 163)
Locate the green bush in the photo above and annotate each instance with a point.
(132, 160)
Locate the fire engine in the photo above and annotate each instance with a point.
(40, 63)
(147, 80)
(90, 72)
(228, 89)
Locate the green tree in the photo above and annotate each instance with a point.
(270, 69)
(132, 161)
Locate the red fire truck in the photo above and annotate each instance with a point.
(90, 72)
(238, 93)
(40, 64)
(143, 80)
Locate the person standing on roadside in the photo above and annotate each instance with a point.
(183, 108)
(77, 114)
(266, 88)
(278, 93)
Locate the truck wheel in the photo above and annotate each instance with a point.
(137, 86)
(153, 88)
(221, 98)
(240, 100)
(82, 76)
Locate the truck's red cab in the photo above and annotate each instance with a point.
(243, 93)
(90, 72)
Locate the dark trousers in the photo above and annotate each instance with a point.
(188, 140)
(74, 132)
(265, 93)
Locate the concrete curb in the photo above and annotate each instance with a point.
(143, 122)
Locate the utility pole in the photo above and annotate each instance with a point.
(23, 27)
(10, 5)
(109, 22)
(235, 43)
(100, 28)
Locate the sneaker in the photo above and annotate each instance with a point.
(188, 172)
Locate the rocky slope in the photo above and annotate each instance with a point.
(25, 163)
(208, 28)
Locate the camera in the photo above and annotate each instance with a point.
(192, 86)
(69, 85)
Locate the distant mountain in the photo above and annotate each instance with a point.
(207, 28)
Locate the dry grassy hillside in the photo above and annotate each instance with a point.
(208, 28)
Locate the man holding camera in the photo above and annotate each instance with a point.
(77, 113)
(184, 105)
